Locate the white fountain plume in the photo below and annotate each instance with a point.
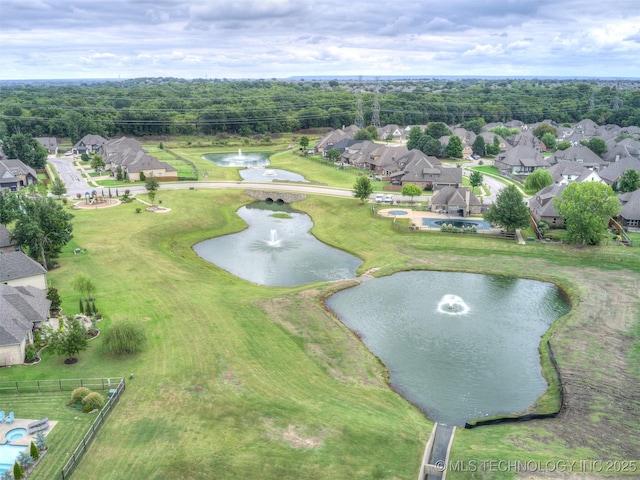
(239, 153)
(452, 305)
(273, 241)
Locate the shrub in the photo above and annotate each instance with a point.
(30, 353)
(138, 210)
(123, 338)
(33, 451)
(17, 471)
(78, 394)
(92, 401)
(41, 441)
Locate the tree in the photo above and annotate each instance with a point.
(563, 145)
(454, 147)
(362, 188)
(476, 179)
(125, 337)
(9, 203)
(411, 190)
(152, 187)
(437, 130)
(549, 140)
(586, 208)
(629, 182)
(43, 227)
(26, 149)
(67, 341)
(509, 210)
(539, 179)
(97, 162)
(333, 155)
(414, 137)
(430, 146)
(479, 148)
(543, 128)
(58, 187)
(54, 297)
(596, 145)
(83, 284)
(304, 142)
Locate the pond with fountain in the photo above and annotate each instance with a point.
(254, 163)
(459, 346)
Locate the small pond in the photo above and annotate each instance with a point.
(459, 346)
(266, 175)
(277, 250)
(239, 159)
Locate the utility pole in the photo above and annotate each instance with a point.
(375, 118)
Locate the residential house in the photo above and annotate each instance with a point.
(489, 139)
(520, 160)
(17, 269)
(127, 153)
(578, 154)
(615, 170)
(50, 143)
(456, 201)
(330, 139)
(21, 309)
(541, 205)
(627, 148)
(427, 172)
(15, 175)
(7, 244)
(566, 172)
(88, 144)
(629, 216)
(392, 131)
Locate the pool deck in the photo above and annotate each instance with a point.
(22, 423)
(417, 216)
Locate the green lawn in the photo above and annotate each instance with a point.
(240, 380)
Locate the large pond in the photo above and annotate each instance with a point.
(277, 250)
(238, 159)
(266, 175)
(459, 346)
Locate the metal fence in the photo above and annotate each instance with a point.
(115, 391)
(59, 385)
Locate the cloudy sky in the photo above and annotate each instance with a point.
(46, 39)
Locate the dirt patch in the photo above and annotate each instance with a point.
(84, 205)
(158, 209)
(295, 436)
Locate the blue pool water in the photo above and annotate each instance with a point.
(458, 222)
(398, 212)
(15, 434)
(8, 455)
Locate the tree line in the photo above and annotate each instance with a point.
(168, 106)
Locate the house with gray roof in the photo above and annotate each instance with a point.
(17, 269)
(580, 154)
(330, 139)
(566, 172)
(128, 154)
(629, 216)
(427, 172)
(21, 309)
(456, 201)
(88, 144)
(541, 205)
(627, 148)
(7, 244)
(15, 175)
(520, 160)
(50, 143)
(615, 170)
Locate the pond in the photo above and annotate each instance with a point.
(239, 159)
(459, 346)
(266, 175)
(277, 250)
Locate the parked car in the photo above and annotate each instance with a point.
(388, 199)
(379, 198)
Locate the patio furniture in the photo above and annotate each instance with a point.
(9, 419)
(1, 416)
(38, 425)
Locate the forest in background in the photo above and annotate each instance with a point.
(171, 106)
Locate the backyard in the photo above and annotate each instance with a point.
(239, 379)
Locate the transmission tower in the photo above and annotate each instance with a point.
(375, 117)
(592, 101)
(359, 115)
(616, 101)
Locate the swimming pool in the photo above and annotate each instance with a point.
(457, 222)
(15, 434)
(397, 212)
(8, 455)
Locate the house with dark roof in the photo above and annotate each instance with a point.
(15, 175)
(615, 170)
(127, 153)
(88, 144)
(541, 205)
(17, 269)
(330, 139)
(566, 172)
(580, 154)
(456, 201)
(50, 143)
(520, 160)
(629, 216)
(427, 172)
(7, 244)
(21, 309)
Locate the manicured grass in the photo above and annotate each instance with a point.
(240, 380)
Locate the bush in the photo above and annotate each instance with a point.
(124, 338)
(41, 441)
(34, 452)
(78, 394)
(17, 471)
(30, 353)
(93, 401)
